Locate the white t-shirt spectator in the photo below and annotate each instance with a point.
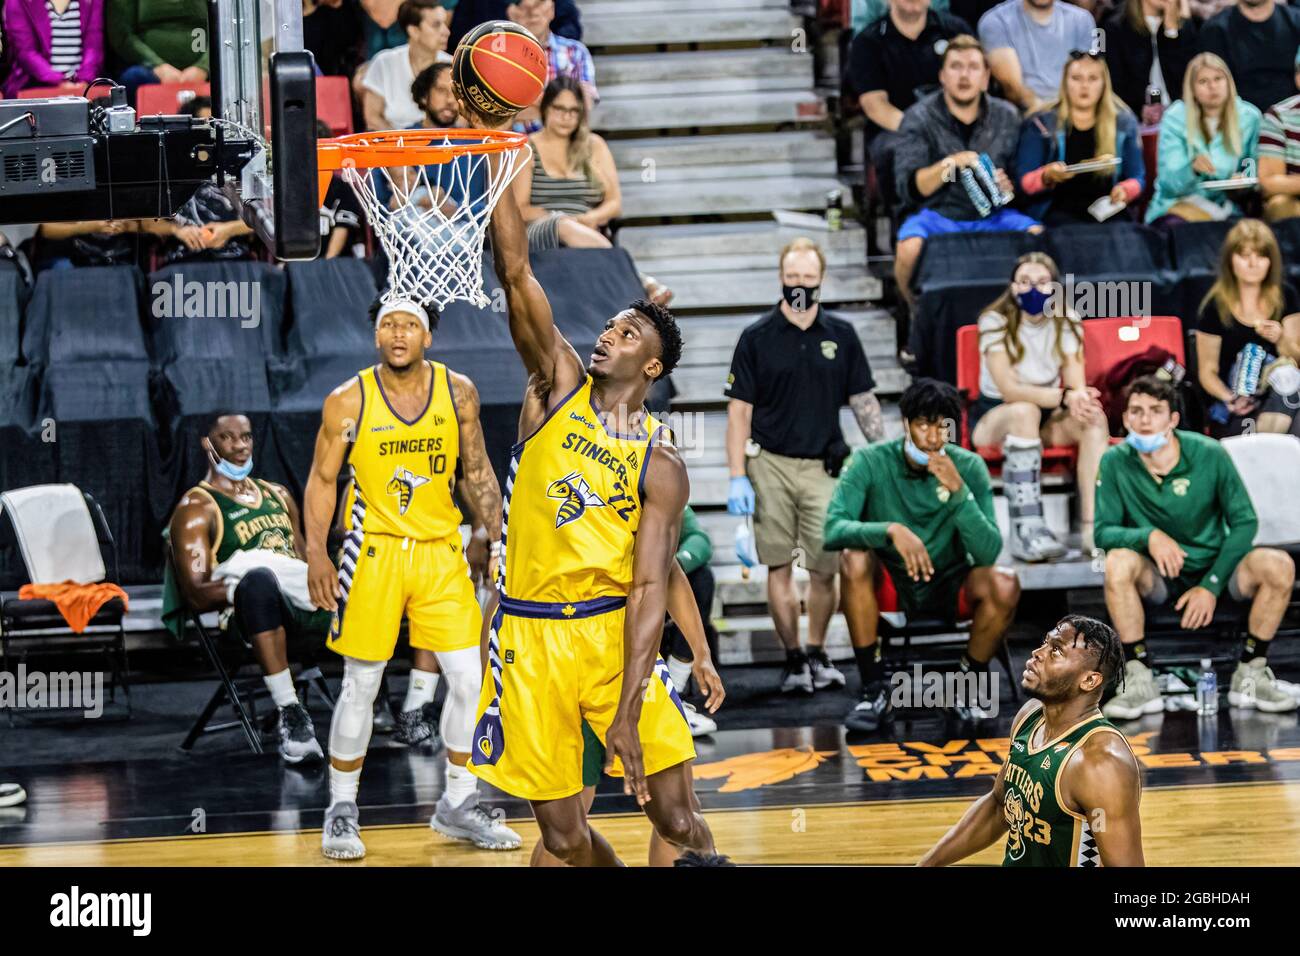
(389, 76)
(1038, 363)
(1042, 50)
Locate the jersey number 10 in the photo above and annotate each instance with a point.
(437, 464)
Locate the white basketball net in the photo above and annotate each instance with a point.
(432, 220)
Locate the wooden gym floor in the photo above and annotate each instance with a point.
(1218, 793)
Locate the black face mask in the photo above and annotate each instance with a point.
(801, 298)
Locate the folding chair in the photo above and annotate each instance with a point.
(891, 631)
(242, 693)
(62, 535)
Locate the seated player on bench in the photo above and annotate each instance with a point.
(237, 543)
(1176, 523)
(921, 508)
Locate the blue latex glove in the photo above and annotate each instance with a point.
(740, 496)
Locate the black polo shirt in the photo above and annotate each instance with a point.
(881, 58)
(797, 380)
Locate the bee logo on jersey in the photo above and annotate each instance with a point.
(575, 497)
(403, 485)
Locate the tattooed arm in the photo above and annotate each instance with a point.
(866, 409)
(480, 491)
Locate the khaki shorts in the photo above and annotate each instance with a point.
(791, 495)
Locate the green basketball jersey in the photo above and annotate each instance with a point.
(249, 526)
(1043, 832)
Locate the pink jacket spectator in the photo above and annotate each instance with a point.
(28, 34)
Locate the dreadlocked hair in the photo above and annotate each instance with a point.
(1102, 639)
(670, 336)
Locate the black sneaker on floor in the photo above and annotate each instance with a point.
(418, 728)
(297, 735)
(869, 712)
(797, 676)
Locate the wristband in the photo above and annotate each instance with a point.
(494, 549)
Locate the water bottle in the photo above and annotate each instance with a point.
(1207, 690)
(1248, 369)
(987, 173)
(745, 549)
(834, 210)
(977, 197)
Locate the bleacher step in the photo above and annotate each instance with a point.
(761, 287)
(692, 25)
(593, 10)
(764, 238)
(737, 151)
(720, 110)
(712, 339)
(704, 67)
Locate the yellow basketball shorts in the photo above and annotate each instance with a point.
(385, 577)
(549, 671)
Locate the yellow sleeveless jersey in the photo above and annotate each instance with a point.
(404, 472)
(572, 505)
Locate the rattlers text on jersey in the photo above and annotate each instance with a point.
(572, 506)
(402, 553)
(1043, 831)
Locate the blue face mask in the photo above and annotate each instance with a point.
(1147, 444)
(915, 453)
(229, 469)
(1033, 301)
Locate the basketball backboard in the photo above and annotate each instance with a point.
(264, 86)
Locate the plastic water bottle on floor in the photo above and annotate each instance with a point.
(1207, 690)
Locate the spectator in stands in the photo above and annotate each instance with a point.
(1279, 156)
(163, 41)
(387, 102)
(564, 57)
(1033, 393)
(1258, 40)
(237, 542)
(1184, 548)
(332, 30)
(52, 42)
(889, 62)
(1028, 43)
(567, 21)
(342, 222)
(1085, 122)
(1148, 46)
(919, 508)
(941, 135)
(95, 242)
(570, 192)
(1250, 306)
(1204, 136)
(433, 92)
(380, 29)
(694, 550)
(791, 373)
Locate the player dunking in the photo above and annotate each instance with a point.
(592, 507)
(1069, 791)
(403, 426)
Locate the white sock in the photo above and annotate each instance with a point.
(461, 784)
(281, 687)
(680, 672)
(344, 785)
(419, 689)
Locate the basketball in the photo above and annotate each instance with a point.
(499, 68)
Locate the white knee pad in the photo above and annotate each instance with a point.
(354, 712)
(464, 677)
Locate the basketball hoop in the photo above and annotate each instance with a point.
(428, 201)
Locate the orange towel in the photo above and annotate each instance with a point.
(78, 603)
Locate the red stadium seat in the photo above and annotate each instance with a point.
(166, 98)
(1107, 342)
(968, 383)
(67, 89)
(334, 104)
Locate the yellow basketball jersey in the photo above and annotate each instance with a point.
(572, 506)
(404, 472)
